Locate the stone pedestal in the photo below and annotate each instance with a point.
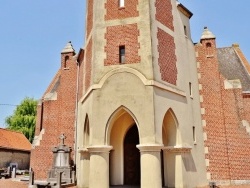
(150, 166)
(61, 163)
(99, 166)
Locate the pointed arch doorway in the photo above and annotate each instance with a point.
(123, 135)
(131, 157)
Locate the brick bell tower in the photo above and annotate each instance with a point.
(139, 69)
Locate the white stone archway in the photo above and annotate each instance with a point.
(118, 126)
(171, 158)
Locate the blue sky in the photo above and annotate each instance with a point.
(33, 33)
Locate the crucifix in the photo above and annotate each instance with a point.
(62, 138)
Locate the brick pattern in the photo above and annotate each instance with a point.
(224, 109)
(58, 116)
(167, 58)
(126, 35)
(116, 12)
(246, 107)
(238, 138)
(164, 13)
(88, 65)
(90, 17)
(216, 141)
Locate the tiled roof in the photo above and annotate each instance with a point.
(14, 140)
(231, 67)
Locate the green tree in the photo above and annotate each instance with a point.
(24, 118)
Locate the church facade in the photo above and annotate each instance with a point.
(142, 105)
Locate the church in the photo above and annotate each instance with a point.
(142, 105)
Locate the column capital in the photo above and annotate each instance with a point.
(100, 149)
(82, 150)
(149, 147)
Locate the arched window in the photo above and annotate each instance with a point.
(209, 49)
(66, 60)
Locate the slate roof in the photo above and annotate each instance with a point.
(14, 140)
(231, 67)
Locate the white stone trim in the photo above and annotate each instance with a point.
(201, 98)
(208, 176)
(99, 149)
(199, 75)
(202, 111)
(178, 149)
(37, 139)
(204, 123)
(207, 162)
(245, 123)
(200, 87)
(240, 182)
(205, 136)
(198, 65)
(206, 150)
(149, 148)
(82, 150)
(232, 84)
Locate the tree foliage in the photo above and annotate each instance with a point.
(24, 118)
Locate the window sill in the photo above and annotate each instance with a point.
(210, 56)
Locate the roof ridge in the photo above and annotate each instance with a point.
(6, 129)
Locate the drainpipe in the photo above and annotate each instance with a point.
(76, 106)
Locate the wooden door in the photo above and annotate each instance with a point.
(132, 173)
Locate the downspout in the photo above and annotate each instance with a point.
(76, 106)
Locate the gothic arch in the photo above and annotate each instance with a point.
(114, 116)
(118, 126)
(170, 139)
(170, 131)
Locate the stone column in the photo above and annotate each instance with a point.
(150, 166)
(173, 164)
(99, 166)
(83, 175)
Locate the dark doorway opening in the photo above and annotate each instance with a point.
(132, 172)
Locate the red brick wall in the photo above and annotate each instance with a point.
(90, 17)
(58, 117)
(116, 12)
(164, 13)
(167, 58)
(212, 104)
(122, 35)
(238, 139)
(246, 107)
(227, 139)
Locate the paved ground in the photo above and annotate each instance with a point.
(9, 183)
